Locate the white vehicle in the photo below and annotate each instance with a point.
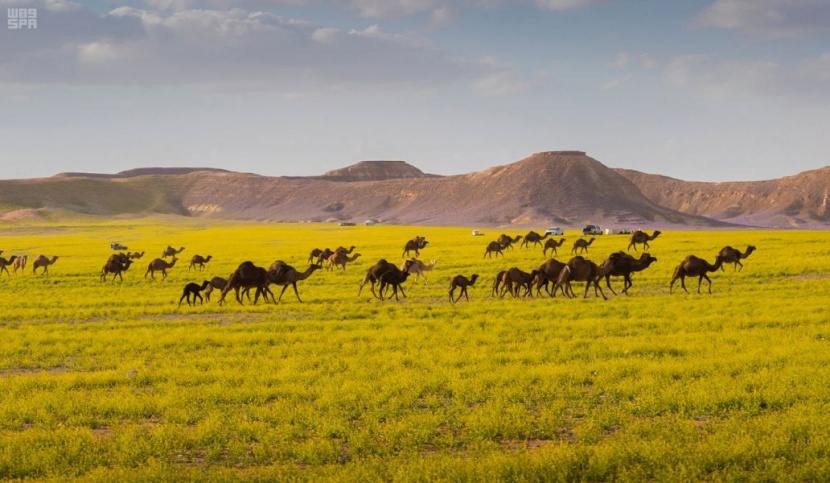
(592, 230)
(554, 230)
(476, 233)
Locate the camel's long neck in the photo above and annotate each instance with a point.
(305, 274)
(716, 266)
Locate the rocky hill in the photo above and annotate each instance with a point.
(557, 187)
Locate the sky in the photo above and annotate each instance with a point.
(714, 90)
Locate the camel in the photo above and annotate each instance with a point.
(513, 279)
(347, 251)
(497, 283)
(549, 272)
(533, 237)
(339, 258)
(20, 262)
(734, 256)
(217, 283)
(551, 244)
(159, 265)
(246, 276)
(115, 265)
(393, 279)
(693, 266)
(507, 242)
(135, 255)
(414, 244)
(582, 245)
(5, 263)
(193, 289)
(42, 261)
(418, 268)
(377, 270)
(283, 274)
(171, 252)
(199, 261)
(493, 246)
(462, 282)
(642, 238)
(581, 270)
(315, 255)
(621, 264)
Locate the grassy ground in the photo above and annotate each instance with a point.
(102, 381)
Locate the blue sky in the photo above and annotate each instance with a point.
(712, 90)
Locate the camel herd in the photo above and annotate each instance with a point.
(552, 276)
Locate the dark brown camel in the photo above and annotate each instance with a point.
(533, 237)
(42, 261)
(171, 252)
(507, 242)
(5, 263)
(340, 259)
(734, 256)
(641, 237)
(514, 279)
(193, 289)
(199, 261)
(582, 245)
(115, 266)
(395, 280)
(551, 244)
(462, 282)
(377, 270)
(135, 255)
(315, 255)
(283, 274)
(217, 283)
(493, 246)
(246, 276)
(621, 264)
(159, 265)
(497, 283)
(579, 269)
(414, 244)
(693, 266)
(548, 273)
(342, 249)
(20, 263)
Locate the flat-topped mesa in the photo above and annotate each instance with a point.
(374, 171)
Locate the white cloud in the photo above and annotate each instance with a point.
(647, 62)
(768, 18)
(620, 61)
(443, 17)
(616, 83)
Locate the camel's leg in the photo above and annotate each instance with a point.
(464, 289)
(403, 294)
(201, 300)
(608, 283)
(708, 280)
(182, 298)
(737, 264)
(452, 289)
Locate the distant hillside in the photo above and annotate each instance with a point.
(557, 187)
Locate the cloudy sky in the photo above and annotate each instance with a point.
(709, 90)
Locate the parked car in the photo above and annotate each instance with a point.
(592, 230)
(347, 223)
(554, 230)
(476, 233)
(370, 222)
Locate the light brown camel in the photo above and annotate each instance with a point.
(582, 245)
(418, 268)
(507, 242)
(641, 237)
(462, 282)
(581, 270)
(693, 266)
(5, 263)
(283, 274)
(217, 283)
(734, 256)
(377, 270)
(548, 273)
(20, 262)
(493, 246)
(199, 261)
(159, 265)
(621, 264)
(414, 244)
(42, 261)
(246, 276)
(551, 244)
(171, 252)
(116, 264)
(135, 255)
(533, 237)
(193, 289)
(514, 279)
(497, 283)
(395, 280)
(341, 259)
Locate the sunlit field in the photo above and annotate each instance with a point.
(114, 381)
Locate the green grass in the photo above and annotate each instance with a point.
(104, 381)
